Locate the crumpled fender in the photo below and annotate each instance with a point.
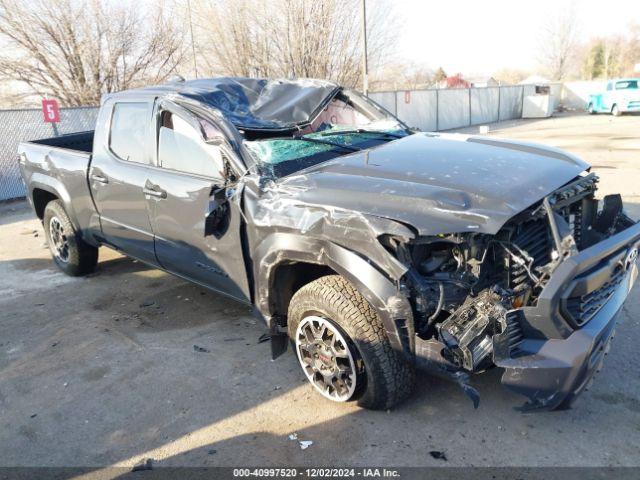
(378, 289)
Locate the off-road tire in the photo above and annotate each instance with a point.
(82, 257)
(387, 378)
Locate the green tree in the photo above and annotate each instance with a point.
(439, 76)
(593, 65)
(605, 58)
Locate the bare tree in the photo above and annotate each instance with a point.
(630, 54)
(402, 75)
(510, 76)
(290, 38)
(77, 50)
(559, 44)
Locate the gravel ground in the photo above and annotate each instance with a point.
(131, 363)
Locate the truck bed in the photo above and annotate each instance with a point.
(80, 142)
(58, 167)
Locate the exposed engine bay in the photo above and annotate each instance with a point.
(464, 286)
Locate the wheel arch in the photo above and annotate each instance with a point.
(41, 198)
(45, 189)
(281, 254)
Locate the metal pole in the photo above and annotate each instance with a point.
(193, 46)
(470, 122)
(437, 110)
(365, 65)
(395, 102)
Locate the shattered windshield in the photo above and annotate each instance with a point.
(349, 123)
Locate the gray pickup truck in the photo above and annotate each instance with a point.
(373, 249)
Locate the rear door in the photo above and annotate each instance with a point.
(118, 171)
(196, 225)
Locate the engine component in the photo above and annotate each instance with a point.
(468, 331)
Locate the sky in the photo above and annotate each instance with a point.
(483, 36)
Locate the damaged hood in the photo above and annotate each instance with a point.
(437, 183)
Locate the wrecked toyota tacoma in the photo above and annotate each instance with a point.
(373, 249)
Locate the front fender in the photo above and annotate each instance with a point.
(382, 293)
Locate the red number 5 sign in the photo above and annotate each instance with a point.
(50, 111)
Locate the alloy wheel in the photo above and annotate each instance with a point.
(326, 358)
(58, 240)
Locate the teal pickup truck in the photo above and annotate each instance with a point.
(620, 96)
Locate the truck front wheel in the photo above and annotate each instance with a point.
(72, 255)
(342, 346)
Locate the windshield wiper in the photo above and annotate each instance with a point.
(361, 130)
(350, 148)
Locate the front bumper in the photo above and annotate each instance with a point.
(552, 363)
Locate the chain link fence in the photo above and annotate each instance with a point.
(22, 125)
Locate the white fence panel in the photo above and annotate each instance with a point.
(418, 108)
(453, 108)
(485, 105)
(511, 102)
(386, 100)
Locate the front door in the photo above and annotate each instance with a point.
(118, 170)
(196, 227)
(607, 98)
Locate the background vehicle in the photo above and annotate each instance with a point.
(374, 249)
(620, 96)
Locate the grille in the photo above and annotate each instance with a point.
(583, 308)
(534, 237)
(514, 332)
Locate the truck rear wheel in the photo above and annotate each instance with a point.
(72, 255)
(342, 346)
(615, 111)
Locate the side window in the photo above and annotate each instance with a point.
(182, 148)
(609, 86)
(627, 84)
(129, 126)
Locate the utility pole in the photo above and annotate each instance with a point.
(365, 64)
(193, 45)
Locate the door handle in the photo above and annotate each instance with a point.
(99, 178)
(154, 191)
